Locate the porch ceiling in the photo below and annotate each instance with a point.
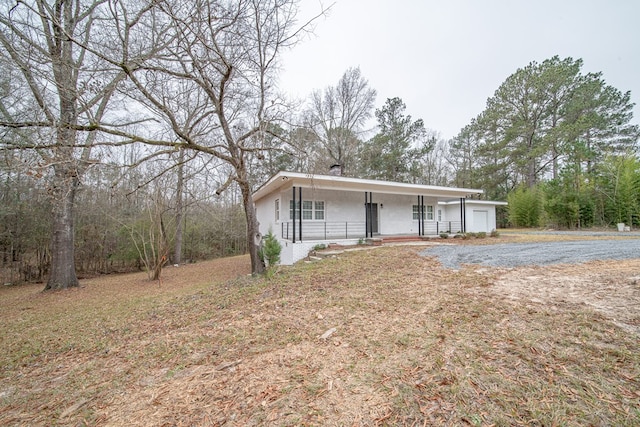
(285, 180)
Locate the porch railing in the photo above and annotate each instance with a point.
(315, 230)
(443, 227)
(324, 230)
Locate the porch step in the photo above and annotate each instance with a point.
(329, 253)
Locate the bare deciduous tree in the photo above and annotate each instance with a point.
(205, 68)
(63, 86)
(338, 114)
(227, 53)
(151, 237)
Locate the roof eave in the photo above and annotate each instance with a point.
(330, 182)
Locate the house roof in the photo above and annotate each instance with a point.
(474, 202)
(285, 180)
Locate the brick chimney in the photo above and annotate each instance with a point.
(335, 170)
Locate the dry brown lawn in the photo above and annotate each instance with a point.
(414, 344)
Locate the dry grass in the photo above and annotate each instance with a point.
(414, 344)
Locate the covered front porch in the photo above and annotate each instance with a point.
(328, 214)
(349, 230)
(306, 210)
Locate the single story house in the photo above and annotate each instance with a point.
(304, 210)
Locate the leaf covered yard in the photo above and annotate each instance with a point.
(413, 344)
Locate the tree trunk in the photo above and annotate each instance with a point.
(162, 249)
(253, 227)
(177, 249)
(63, 272)
(531, 177)
(531, 174)
(65, 180)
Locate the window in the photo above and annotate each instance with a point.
(427, 212)
(439, 215)
(277, 206)
(297, 209)
(307, 209)
(416, 212)
(310, 210)
(430, 213)
(319, 211)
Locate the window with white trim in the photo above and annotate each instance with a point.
(427, 212)
(439, 215)
(416, 212)
(297, 210)
(319, 210)
(311, 210)
(277, 210)
(307, 209)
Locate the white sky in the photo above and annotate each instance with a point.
(444, 58)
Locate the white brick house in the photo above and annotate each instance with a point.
(345, 210)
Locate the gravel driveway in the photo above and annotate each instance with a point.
(546, 253)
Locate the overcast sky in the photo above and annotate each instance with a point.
(444, 58)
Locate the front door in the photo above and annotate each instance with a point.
(373, 208)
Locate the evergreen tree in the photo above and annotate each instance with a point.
(550, 115)
(395, 153)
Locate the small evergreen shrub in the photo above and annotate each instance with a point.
(270, 250)
(444, 235)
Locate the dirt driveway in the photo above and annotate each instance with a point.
(601, 274)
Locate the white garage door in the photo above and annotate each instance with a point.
(480, 221)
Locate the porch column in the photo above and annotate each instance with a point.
(368, 207)
(370, 214)
(419, 217)
(300, 224)
(422, 214)
(293, 220)
(463, 215)
(366, 214)
(464, 205)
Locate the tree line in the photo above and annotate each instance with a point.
(83, 77)
(134, 133)
(559, 144)
(125, 219)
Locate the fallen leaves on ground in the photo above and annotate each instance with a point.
(411, 344)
